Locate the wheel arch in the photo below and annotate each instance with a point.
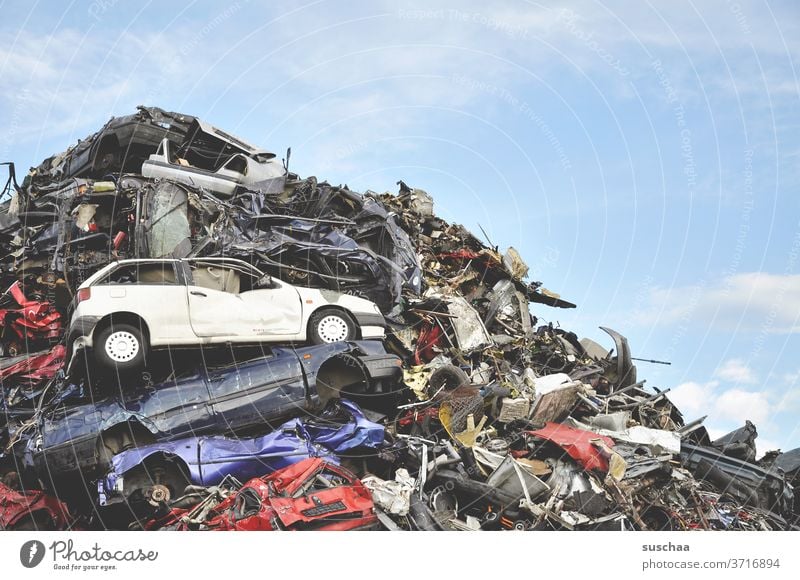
(143, 470)
(130, 430)
(167, 457)
(123, 317)
(339, 372)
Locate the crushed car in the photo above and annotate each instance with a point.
(310, 495)
(78, 436)
(258, 170)
(339, 429)
(131, 306)
(32, 510)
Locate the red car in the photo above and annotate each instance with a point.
(31, 510)
(310, 495)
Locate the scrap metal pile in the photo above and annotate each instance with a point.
(488, 420)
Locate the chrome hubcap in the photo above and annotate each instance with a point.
(332, 328)
(121, 346)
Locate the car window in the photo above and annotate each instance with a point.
(223, 277)
(147, 273)
(168, 229)
(238, 164)
(215, 277)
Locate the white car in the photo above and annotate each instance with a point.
(258, 171)
(131, 306)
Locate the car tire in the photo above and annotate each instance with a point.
(121, 347)
(448, 376)
(327, 326)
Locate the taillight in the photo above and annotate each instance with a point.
(83, 294)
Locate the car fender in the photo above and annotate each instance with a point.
(314, 299)
(369, 356)
(122, 463)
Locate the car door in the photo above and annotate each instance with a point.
(258, 392)
(69, 435)
(215, 309)
(225, 301)
(175, 408)
(278, 308)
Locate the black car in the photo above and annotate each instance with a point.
(120, 146)
(124, 143)
(77, 436)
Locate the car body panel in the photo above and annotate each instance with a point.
(241, 395)
(19, 507)
(69, 433)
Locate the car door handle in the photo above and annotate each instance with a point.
(197, 293)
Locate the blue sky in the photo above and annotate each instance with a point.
(643, 157)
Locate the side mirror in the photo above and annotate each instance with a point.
(265, 281)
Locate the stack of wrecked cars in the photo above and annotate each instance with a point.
(192, 337)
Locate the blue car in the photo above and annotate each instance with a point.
(78, 436)
(340, 428)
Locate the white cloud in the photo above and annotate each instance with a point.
(738, 405)
(723, 406)
(736, 371)
(68, 83)
(748, 302)
(764, 445)
(693, 399)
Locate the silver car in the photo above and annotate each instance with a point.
(257, 171)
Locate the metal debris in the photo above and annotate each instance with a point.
(496, 422)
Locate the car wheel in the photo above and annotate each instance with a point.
(327, 326)
(121, 347)
(154, 483)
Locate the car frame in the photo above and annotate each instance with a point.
(173, 303)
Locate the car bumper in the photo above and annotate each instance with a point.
(372, 325)
(80, 331)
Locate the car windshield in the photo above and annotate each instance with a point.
(168, 229)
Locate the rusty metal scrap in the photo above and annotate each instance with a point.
(502, 423)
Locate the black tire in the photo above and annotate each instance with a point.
(127, 341)
(328, 325)
(448, 376)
